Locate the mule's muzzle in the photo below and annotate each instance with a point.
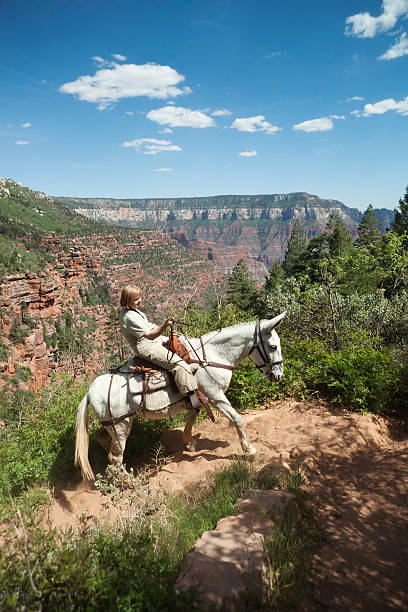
(274, 376)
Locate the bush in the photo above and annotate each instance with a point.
(250, 388)
(41, 445)
(358, 376)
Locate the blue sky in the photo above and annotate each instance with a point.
(168, 98)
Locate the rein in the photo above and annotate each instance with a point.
(258, 345)
(203, 362)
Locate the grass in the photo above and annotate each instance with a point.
(133, 564)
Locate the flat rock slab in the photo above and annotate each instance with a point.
(228, 565)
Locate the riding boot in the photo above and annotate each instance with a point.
(194, 400)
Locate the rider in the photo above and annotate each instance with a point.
(146, 340)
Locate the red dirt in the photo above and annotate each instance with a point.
(358, 471)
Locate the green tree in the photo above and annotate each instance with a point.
(276, 275)
(369, 229)
(242, 291)
(393, 260)
(293, 262)
(400, 223)
(339, 239)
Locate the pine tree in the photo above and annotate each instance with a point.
(400, 223)
(276, 275)
(369, 230)
(295, 250)
(340, 241)
(242, 291)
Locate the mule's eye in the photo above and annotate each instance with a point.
(273, 347)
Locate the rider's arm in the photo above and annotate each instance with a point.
(157, 331)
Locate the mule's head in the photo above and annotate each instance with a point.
(266, 352)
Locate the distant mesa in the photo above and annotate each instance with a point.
(226, 228)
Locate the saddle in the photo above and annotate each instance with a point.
(155, 378)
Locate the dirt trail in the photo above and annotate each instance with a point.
(358, 469)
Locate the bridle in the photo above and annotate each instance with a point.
(260, 347)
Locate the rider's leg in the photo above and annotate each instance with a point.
(157, 354)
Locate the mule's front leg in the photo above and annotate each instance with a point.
(226, 409)
(187, 435)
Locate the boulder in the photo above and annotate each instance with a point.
(228, 565)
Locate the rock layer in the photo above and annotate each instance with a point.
(227, 228)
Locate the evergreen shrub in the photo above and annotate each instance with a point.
(356, 376)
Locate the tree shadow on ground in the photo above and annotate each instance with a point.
(361, 488)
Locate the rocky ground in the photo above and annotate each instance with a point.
(358, 472)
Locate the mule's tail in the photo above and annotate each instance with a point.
(82, 440)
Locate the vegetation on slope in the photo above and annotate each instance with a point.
(346, 330)
(30, 213)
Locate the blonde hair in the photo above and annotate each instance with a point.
(128, 294)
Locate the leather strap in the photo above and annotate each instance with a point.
(203, 349)
(212, 364)
(206, 405)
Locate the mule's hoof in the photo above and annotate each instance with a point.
(191, 446)
(251, 452)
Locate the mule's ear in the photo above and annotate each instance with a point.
(272, 323)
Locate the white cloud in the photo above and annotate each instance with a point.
(221, 112)
(274, 54)
(119, 57)
(315, 125)
(25, 125)
(337, 117)
(177, 116)
(22, 142)
(129, 113)
(163, 170)
(357, 98)
(254, 124)
(108, 85)
(356, 113)
(151, 146)
(383, 106)
(398, 49)
(363, 25)
(248, 153)
(99, 60)
(166, 131)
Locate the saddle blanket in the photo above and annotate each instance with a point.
(160, 389)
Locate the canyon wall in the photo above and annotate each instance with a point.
(227, 228)
(61, 319)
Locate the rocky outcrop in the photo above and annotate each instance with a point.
(228, 565)
(31, 303)
(83, 284)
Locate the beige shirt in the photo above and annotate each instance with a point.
(133, 325)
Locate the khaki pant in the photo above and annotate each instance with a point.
(156, 353)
